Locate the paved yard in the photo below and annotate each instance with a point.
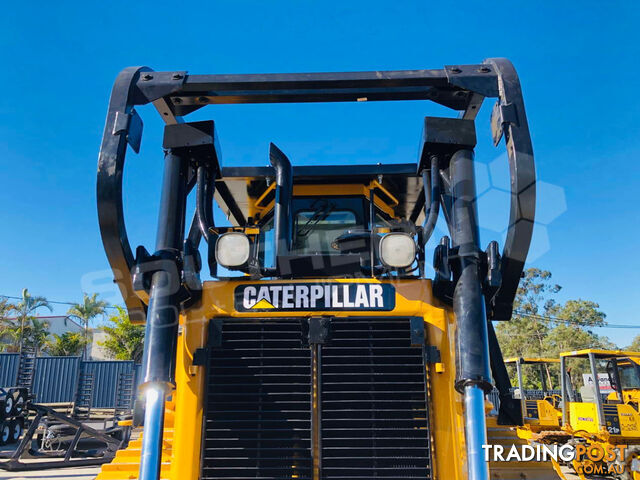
(80, 473)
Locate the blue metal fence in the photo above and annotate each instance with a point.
(55, 379)
(105, 380)
(8, 368)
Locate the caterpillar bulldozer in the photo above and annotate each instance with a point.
(319, 346)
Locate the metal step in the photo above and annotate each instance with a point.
(125, 392)
(84, 396)
(26, 368)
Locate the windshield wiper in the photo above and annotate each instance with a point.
(318, 215)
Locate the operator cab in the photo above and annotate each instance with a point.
(594, 409)
(624, 377)
(335, 224)
(539, 408)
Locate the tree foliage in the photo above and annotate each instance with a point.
(86, 311)
(125, 341)
(25, 328)
(90, 308)
(542, 327)
(635, 344)
(67, 344)
(36, 334)
(7, 324)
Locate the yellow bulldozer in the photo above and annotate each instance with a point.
(604, 425)
(540, 411)
(321, 345)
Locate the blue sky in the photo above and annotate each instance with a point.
(578, 66)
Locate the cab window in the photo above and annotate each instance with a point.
(317, 222)
(629, 377)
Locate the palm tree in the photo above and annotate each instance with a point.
(89, 308)
(6, 323)
(25, 309)
(38, 333)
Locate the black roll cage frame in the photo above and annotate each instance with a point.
(175, 94)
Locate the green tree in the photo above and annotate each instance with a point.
(7, 324)
(6, 309)
(86, 311)
(541, 327)
(11, 332)
(36, 334)
(524, 335)
(635, 344)
(573, 330)
(125, 341)
(30, 331)
(582, 312)
(67, 344)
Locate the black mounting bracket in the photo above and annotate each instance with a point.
(444, 263)
(443, 137)
(316, 330)
(187, 288)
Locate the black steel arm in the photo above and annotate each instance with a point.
(174, 94)
(109, 185)
(509, 119)
(123, 127)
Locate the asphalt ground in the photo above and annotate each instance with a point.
(77, 473)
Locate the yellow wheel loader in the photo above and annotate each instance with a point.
(318, 346)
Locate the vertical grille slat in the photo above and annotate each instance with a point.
(374, 410)
(257, 422)
(371, 420)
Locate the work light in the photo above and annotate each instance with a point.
(397, 250)
(232, 249)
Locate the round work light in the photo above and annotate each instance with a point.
(397, 250)
(232, 249)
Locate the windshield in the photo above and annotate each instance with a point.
(629, 376)
(319, 221)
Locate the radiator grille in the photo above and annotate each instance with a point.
(258, 403)
(374, 413)
(373, 417)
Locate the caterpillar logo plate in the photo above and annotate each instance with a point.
(314, 296)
